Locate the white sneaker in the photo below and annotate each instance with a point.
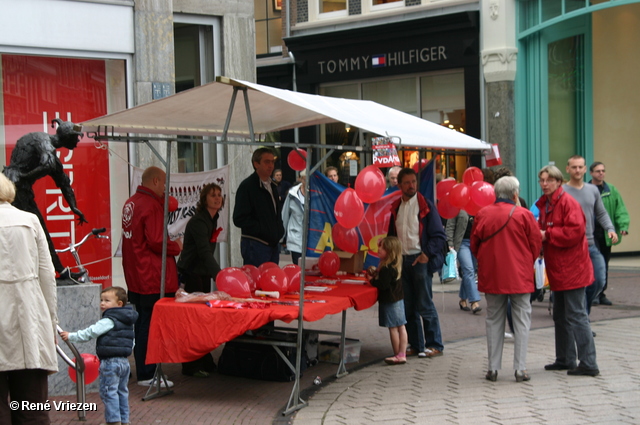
(508, 335)
(152, 383)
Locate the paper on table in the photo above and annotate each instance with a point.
(317, 288)
(353, 281)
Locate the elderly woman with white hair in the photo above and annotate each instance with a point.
(28, 317)
(506, 241)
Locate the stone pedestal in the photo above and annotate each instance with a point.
(78, 308)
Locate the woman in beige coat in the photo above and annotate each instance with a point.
(29, 314)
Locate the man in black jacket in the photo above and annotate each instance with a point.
(258, 212)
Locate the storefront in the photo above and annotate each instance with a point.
(426, 67)
(71, 69)
(577, 90)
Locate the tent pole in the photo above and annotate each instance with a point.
(249, 120)
(158, 376)
(227, 122)
(165, 230)
(155, 151)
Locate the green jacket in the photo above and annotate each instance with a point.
(615, 208)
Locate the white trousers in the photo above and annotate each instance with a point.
(496, 317)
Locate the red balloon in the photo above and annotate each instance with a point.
(345, 239)
(91, 368)
(234, 282)
(370, 184)
(173, 204)
(273, 279)
(297, 162)
(265, 266)
(293, 272)
(444, 187)
(253, 274)
(329, 263)
(482, 193)
(472, 174)
(472, 208)
(459, 195)
(446, 210)
(419, 165)
(349, 209)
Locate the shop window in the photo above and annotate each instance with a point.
(380, 4)
(398, 94)
(193, 67)
(436, 97)
(566, 92)
(328, 6)
(268, 16)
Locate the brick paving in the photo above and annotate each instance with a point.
(447, 389)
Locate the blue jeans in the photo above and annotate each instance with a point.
(468, 287)
(418, 303)
(114, 392)
(572, 329)
(257, 253)
(600, 275)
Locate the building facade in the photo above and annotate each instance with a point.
(542, 79)
(422, 58)
(78, 60)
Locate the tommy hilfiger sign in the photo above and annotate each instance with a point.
(391, 59)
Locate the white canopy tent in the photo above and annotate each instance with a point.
(211, 110)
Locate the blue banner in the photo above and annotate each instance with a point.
(323, 194)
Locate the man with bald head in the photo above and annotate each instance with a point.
(142, 234)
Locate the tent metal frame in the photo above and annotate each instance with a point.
(295, 401)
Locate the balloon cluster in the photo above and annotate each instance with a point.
(349, 207)
(242, 282)
(471, 195)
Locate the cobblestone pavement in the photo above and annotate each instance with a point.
(448, 389)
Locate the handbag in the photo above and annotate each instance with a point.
(450, 267)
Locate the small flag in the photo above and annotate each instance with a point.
(378, 61)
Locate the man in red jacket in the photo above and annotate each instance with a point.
(142, 233)
(568, 265)
(506, 241)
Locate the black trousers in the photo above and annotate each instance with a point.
(144, 306)
(28, 385)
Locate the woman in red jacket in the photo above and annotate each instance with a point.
(566, 253)
(506, 241)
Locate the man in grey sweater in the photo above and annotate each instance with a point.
(589, 199)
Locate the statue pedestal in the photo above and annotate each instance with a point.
(78, 308)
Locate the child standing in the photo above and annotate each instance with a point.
(114, 333)
(390, 296)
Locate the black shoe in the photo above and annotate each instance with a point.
(595, 302)
(583, 371)
(593, 333)
(605, 301)
(492, 375)
(558, 366)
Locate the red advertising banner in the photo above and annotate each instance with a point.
(35, 91)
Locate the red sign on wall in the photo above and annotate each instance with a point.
(35, 91)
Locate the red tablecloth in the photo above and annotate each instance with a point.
(182, 332)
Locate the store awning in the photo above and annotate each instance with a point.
(203, 111)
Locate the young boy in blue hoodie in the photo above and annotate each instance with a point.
(115, 338)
